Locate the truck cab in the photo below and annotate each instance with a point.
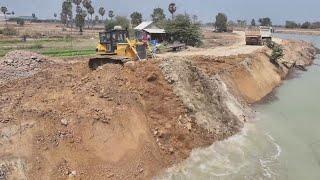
(266, 33)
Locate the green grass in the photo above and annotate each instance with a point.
(54, 47)
(69, 53)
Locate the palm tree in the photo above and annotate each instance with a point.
(102, 12)
(172, 8)
(4, 10)
(111, 14)
(87, 4)
(77, 2)
(91, 12)
(194, 18)
(78, 8)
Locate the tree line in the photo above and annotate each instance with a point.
(222, 24)
(305, 25)
(182, 27)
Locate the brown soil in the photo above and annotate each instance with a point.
(214, 39)
(131, 121)
(116, 122)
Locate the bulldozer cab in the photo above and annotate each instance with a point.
(111, 39)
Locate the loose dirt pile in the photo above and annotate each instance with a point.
(19, 64)
(213, 39)
(117, 122)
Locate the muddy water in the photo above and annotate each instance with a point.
(282, 143)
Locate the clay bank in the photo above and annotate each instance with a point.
(132, 121)
(281, 141)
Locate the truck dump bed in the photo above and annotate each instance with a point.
(253, 37)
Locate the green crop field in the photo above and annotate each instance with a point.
(54, 47)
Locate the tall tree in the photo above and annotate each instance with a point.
(91, 12)
(242, 23)
(194, 18)
(4, 10)
(87, 4)
(102, 12)
(158, 16)
(291, 24)
(122, 21)
(172, 9)
(253, 22)
(96, 19)
(306, 25)
(111, 14)
(55, 16)
(182, 29)
(66, 13)
(265, 21)
(77, 2)
(221, 22)
(80, 19)
(136, 18)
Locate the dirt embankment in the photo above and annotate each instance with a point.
(255, 77)
(116, 122)
(132, 121)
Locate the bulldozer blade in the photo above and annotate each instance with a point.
(96, 62)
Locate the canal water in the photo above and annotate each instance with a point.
(282, 143)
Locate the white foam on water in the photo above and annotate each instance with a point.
(266, 163)
(232, 157)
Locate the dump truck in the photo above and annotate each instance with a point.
(258, 36)
(253, 37)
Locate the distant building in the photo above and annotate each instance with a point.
(149, 31)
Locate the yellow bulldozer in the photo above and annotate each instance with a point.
(116, 47)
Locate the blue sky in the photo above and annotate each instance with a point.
(278, 10)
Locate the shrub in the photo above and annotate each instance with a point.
(20, 21)
(291, 24)
(183, 30)
(9, 31)
(118, 21)
(277, 52)
(37, 45)
(265, 21)
(306, 25)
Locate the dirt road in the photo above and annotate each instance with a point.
(238, 47)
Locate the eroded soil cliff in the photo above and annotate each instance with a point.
(131, 121)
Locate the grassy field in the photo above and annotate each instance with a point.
(49, 39)
(55, 47)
